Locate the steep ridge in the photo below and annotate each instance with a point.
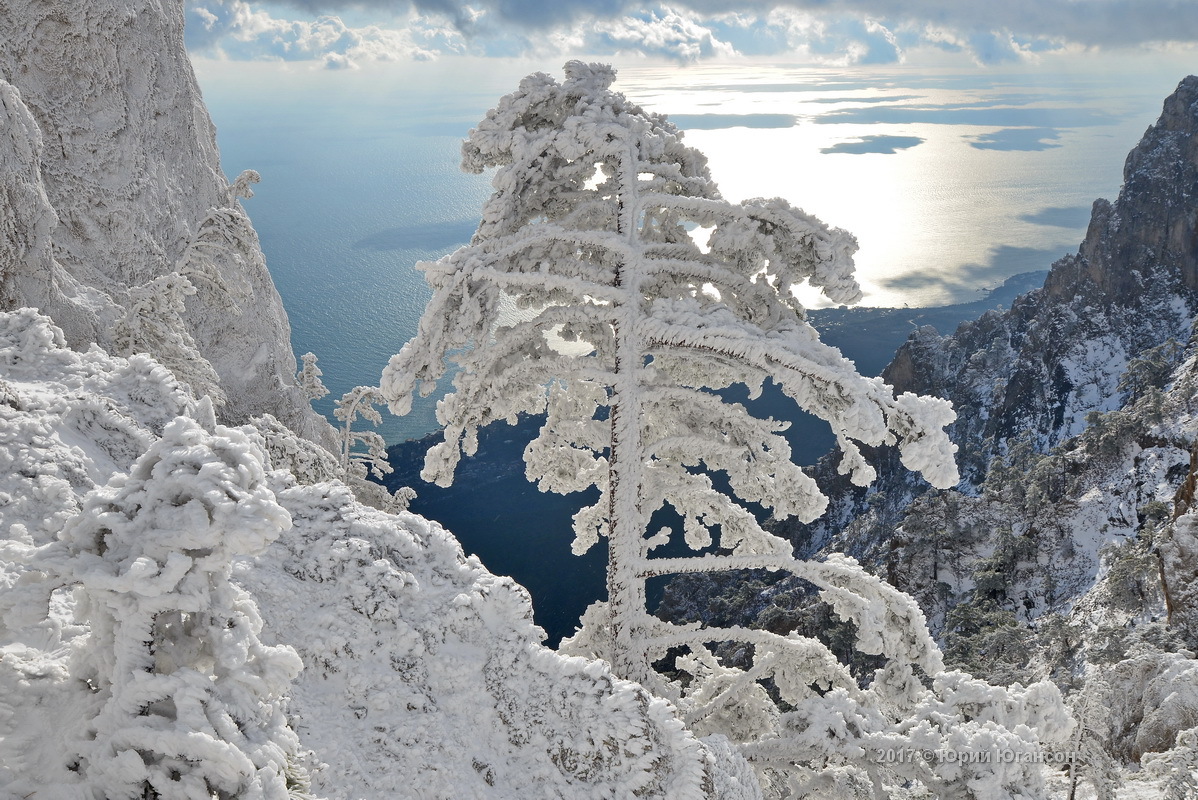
(1035, 371)
(122, 162)
(1059, 352)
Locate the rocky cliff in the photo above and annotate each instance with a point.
(111, 179)
(1035, 371)
(1059, 352)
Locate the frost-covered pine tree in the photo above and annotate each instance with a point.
(152, 317)
(589, 229)
(365, 452)
(308, 378)
(641, 292)
(1091, 758)
(191, 701)
(359, 402)
(152, 322)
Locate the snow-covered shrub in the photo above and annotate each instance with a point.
(910, 722)
(191, 699)
(365, 452)
(307, 461)
(153, 323)
(1177, 768)
(308, 378)
(424, 678)
(1156, 698)
(152, 320)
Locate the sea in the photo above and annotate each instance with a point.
(953, 181)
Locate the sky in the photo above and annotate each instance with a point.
(351, 33)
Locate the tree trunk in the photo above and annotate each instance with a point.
(626, 524)
(625, 585)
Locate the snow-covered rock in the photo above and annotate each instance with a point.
(1059, 352)
(423, 676)
(110, 175)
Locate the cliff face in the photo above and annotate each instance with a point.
(1154, 222)
(1059, 352)
(122, 164)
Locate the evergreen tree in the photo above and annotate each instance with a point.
(590, 231)
(589, 228)
(308, 378)
(359, 402)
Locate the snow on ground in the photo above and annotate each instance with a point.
(423, 674)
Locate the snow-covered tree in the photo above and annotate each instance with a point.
(152, 312)
(191, 701)
(361, 451)
(153, 323)
(1091, 740)
(643, 293)
(365, 452)
(308, 378)
(589, 228)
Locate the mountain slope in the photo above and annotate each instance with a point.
(1059, 352)
(1035, 371)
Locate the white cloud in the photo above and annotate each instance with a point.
(845, 32)
(236, 30)
(667, 34)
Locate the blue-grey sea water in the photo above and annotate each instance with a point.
(951, 181)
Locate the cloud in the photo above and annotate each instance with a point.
(235, 29)
(839, 40)
(1086, 22)
(1002, 262)
(667, 34)
(845, 32)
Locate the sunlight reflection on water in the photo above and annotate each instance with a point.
(942, 215)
